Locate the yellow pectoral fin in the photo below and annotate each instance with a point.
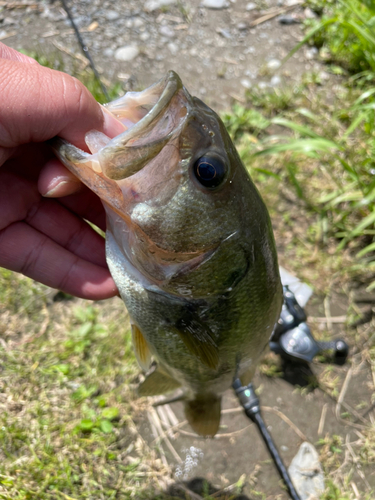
(141, 349)
(198, 340)
(157, 383)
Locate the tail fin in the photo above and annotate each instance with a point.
(203, 414)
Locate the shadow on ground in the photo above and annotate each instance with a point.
(196, 489)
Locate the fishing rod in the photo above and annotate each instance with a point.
(84, 48)
(293, 341)
(251, 405)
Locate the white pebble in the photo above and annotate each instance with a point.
(126, 53)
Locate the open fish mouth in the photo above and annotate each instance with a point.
(152, 118)
(117, 169)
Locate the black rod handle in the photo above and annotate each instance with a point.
(258, 420)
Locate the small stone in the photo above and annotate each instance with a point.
(309, 14)
(246, 83)
(284, 448)
(138, 22)
(167, 31)
(242, 26)
(144, 36)
(82, 21)
(275, 81)
(126, 53)
(273, 64)
(8, 21)
(250, 74)
(108, 52)
(249, 50)
(251, 6)
(215, 4)
(152, 5)
(311, 53)
(173, 48)
(111, 15)
(323, 75)
(224, 33)
(325, 54)
(54, 16)
(306, 473)
(288, 20)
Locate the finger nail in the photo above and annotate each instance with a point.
(63, 187)
(111, 126)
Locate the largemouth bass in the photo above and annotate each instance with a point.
(189, 244)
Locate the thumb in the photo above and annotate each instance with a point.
(38, 103)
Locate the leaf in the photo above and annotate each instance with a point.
(86, 425)
(62, 368)
(106, 426)
(110, 413)
(84, 329)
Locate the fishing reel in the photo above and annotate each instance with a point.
(293, 340)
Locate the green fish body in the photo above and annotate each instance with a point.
(189, 244)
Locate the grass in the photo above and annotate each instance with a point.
(69, 418)
(65, 398)
(311, 152)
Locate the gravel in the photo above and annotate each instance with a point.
(211, 44)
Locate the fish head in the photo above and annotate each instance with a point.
(180, 205)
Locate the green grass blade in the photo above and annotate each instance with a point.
(366, 250)
(309, 147)
(309, 35)
(301, 129)
(367, 221)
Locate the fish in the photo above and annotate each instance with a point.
(189, 244)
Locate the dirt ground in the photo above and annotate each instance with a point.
(216, 52)
(219, 53)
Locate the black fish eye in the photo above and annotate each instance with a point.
(210, 171)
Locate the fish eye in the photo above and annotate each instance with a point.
(210, 171)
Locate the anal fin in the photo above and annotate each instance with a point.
(203, 414)
(141, 349)
(157, 383)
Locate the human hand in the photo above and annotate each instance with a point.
(45, 237)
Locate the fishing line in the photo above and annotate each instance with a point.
(85, 49)
(251, 405)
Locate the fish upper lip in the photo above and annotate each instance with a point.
(172, 85)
